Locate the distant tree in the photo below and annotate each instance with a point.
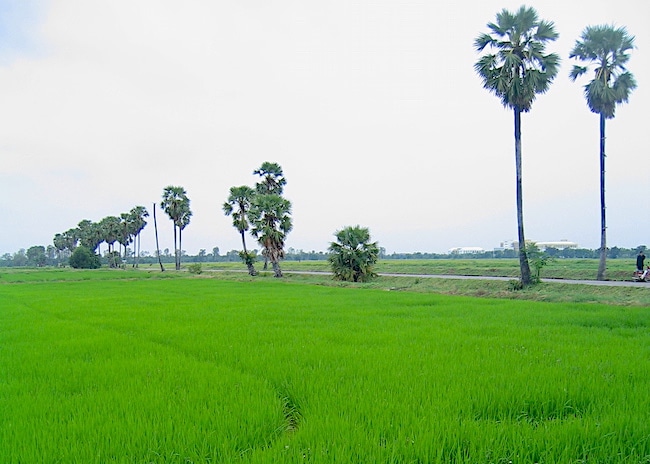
(177, 206)
(238, 205)
(111, 227)
(36, 255)
(84, 258)
(353, 256)
(270, 216)
(90, 234)
(516, 73)
(125, 236)
(606, 48)
(138, 223)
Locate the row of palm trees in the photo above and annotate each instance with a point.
(123, 229)
(519, 68)
(265, 212)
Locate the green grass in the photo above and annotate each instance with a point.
(195, 369)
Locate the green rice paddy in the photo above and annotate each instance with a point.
(202, 370)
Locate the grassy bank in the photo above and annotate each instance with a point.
(578, 269)
(97, 369)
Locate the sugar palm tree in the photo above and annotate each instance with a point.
(606, 48)
(137, 217)
(238, 205)
(270, 216)
(272, 181)
(177, 206)
(353, 256)
(516, 72)
(111, 227)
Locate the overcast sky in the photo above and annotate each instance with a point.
(372, 108)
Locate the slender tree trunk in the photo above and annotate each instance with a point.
(523, 257)
(155, 226)
(249, 265)
(180, 248)
(176, 266)
(602, 264)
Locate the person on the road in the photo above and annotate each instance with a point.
(640, 261)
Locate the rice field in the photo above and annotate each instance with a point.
(201, 370)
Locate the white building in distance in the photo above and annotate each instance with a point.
(466, 250)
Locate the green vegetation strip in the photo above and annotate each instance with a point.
(187, 369)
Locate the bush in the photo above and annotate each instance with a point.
(83, 258)
(195, 268)
(353, 256)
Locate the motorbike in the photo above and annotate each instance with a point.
(642, 276)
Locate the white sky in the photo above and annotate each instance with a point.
(372, 108)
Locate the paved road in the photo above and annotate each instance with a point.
(602, 283)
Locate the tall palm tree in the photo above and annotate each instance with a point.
(270, 217)
(177, 206)
(110, 226)
(125, 236)
(518, 71)
(238, 205)
(272, 181)
(138, 222)
(606, 48)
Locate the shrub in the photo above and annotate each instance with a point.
(353, 256)
(195, 268)
(83, 258)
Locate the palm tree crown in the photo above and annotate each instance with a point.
(519, 69)
(605, 47)
(273, 180)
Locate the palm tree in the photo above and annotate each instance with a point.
(177, 206)
(606, 47)
(353, 256)
(125, 235)
(517, 71)
(241, 198)
(138, 222)
(270, 216)
(90, 234)
(273, 180)
(110, 226)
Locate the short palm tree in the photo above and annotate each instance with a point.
(270, 216)
(606, 48)
(238, 205)
(516, 72)
(353, 256)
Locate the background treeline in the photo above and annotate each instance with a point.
(39, 256)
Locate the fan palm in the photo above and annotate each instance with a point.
(273, 180)
(238, 205)
(353, 256)
(518, 71)
(270, 216)
(606, 48)
(177, 206)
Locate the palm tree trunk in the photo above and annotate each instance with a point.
(602, 264)
(176, 266)
(180, 247)
(523, 257)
